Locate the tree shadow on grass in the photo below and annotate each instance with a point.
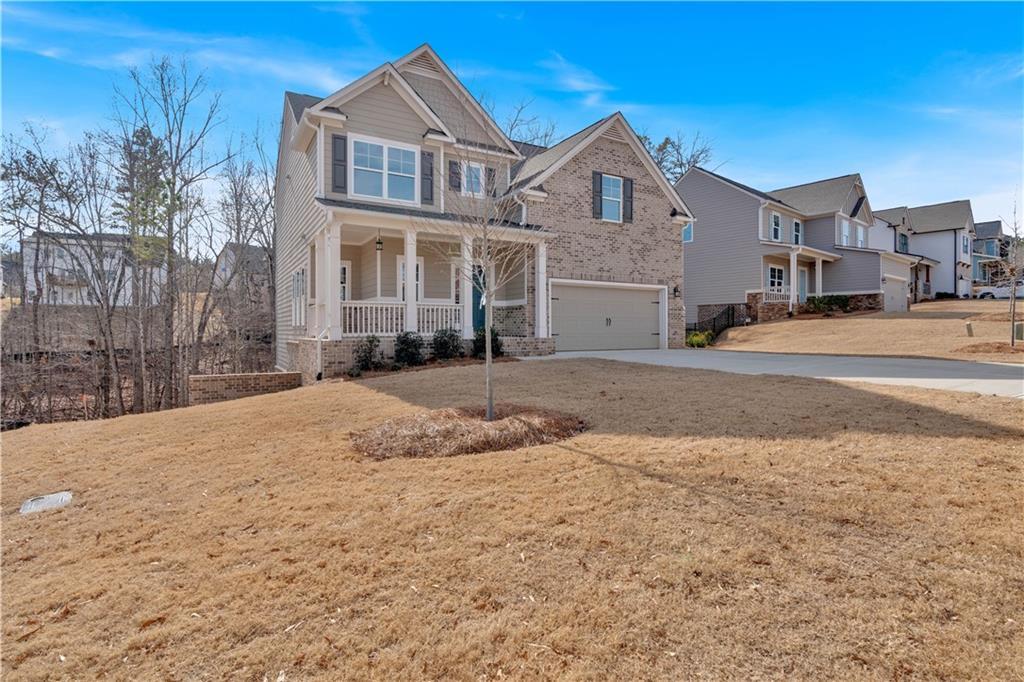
(646, 400)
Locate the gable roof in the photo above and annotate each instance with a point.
(536, 169)
(990, 229)
(299, 102)
(739, 185)
(422, 56)
(821, 196)
(949, 215)
(895, 215)
(385, 73)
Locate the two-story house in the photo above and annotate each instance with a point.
(991, 245)
(943, 233)
(766, 253)
(381, 179)
(892, 232)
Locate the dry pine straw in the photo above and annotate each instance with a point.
(707, 524)
(463, 430)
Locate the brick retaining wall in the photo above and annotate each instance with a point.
(213, 388)
(524, 346)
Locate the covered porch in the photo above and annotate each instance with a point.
(359, 283)
(792, 275)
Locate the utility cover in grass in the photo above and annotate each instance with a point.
(45, 502)
(463, 430)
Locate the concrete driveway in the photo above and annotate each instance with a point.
(951, 375)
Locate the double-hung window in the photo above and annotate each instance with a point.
(776, 277)
(611, 198)
(861, 237)
(844, 232)
(473, 179)
(904, 245)
(798, 232)
(776, 233)
(965, 244)
(384, 171)
(687, 233)
(299, 297)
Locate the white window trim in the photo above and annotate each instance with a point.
(620, 200)
(772, 227)
(464, 169)
(798, 232)
(346, 267)
(384, 198)
(844, 234)
(299, 298)
(862, 236)
(399, 264)
(781, 279)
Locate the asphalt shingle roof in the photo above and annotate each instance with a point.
(990, 229)
(299, 102)
(537, 164)
(951, 215)
(816, 198)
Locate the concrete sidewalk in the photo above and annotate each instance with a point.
(951, 375)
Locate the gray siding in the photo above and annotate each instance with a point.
(788, 217)
(296, 218)
(448, 107)
(855, 271)
(722, 262)
(381, 112)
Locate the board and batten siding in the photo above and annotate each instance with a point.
(723, 261)
(297, 217)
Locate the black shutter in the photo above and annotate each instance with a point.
(492, 181)
(427, 177)
(627, 200)
(454, 176)
(597, 194)
(339, 173)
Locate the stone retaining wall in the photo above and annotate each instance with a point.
(213, 388)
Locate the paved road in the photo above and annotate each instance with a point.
(953, 375)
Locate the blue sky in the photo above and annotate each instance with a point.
(925, 100)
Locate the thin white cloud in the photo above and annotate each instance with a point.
(570, 77)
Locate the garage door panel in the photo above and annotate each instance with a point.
(604, 317)
(894, 295)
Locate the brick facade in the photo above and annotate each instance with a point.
(648, 250)
(526, 346)
(213, 388)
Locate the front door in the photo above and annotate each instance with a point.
(802, 278)
(478, 310)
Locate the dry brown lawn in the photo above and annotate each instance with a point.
(935, 329)
(707, 525)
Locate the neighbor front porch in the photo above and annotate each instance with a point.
(789, 276)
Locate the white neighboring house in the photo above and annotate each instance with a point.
(943, 233)
(69, 269)
(891, 232)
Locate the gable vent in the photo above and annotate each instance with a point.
(616, 133)
(424, 62)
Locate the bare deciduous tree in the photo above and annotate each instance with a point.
(676, 155)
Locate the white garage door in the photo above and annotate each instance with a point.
(604, 317)
(895, 294)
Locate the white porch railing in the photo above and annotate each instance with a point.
(436, 316)
(777, 294)
(359, 318)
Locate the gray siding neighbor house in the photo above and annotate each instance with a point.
(767, 253)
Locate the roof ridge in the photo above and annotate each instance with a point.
(939, 203)
(815, 182)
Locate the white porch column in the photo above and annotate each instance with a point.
(332, 291)
(540, 304)
(320, 290)
(817, 276)
(466, 285)
(411, 321)
(794, 278)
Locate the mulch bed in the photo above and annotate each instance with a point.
(430, 364)
(462, 430)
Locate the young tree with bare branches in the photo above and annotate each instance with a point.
(676, 155)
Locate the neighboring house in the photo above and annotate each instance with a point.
(374, 182)
(892, 232)
(69, 268)
(943, 233)
(242, 265)
(766, 253)
(991, 245)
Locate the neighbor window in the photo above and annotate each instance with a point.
(861, 239)
(370, 178)
(798, 232)
(965, 244)
(611, 198)
(776, 227)
(904, 245)
(687, 233)
(472, 179)
(844, 232)
(299, 297)
(776, 277)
